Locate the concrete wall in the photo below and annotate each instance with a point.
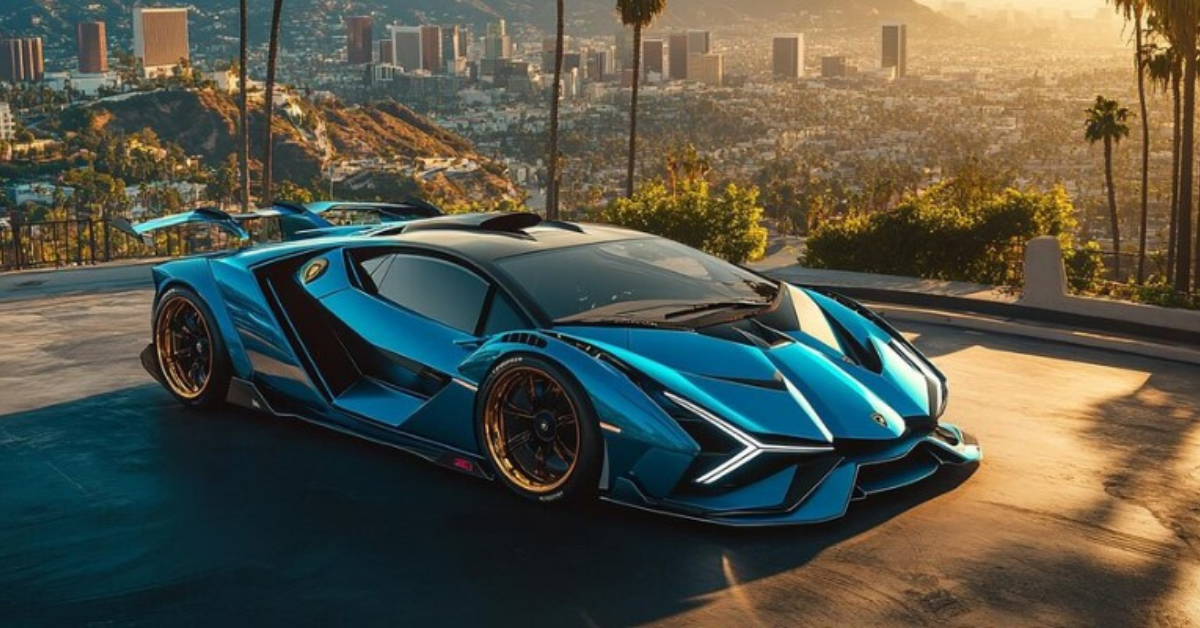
(1046, 288)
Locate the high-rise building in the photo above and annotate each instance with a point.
(788, 56)
(92, 48)
(387, 52)
(601, 64)
(699, 42)
(454, 58)
(406, 47)
(8, 127)
(834, 67)
(497, 44)
(21, 60)
(431, 49)
(359, 36)
(653, 57)
(678, 56)
(160, 38)
(624, 51)
(895, 48)
(707, 68)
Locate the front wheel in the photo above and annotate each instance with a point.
(539, 431)
(191, 353)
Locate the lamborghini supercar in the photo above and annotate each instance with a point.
(567, 361)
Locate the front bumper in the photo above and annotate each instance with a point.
(797, 495)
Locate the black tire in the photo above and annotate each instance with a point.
(581, 480)
(215, 386)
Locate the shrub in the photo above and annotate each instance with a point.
(935, 235)
(725, 224)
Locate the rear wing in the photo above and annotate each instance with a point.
(204, 215)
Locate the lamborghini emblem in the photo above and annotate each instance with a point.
(314, 270)
(879, 420)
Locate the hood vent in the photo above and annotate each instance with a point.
(748, 332)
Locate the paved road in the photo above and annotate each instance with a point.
(118, 507)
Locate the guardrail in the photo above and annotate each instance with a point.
(82, 242)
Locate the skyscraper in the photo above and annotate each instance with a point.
(895, 48)
(406, 47)
(387, 54)
(431, 49)
(359, 36)
(624, 50)
(707, 68)
(788, 56)
(699, 42)
(678, 56)
(21, 60)
(92, 48)
(834, 67)
(453, 56)
(497, 44)
(653, 57)
(160, 38)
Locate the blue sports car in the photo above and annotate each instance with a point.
(568, 361)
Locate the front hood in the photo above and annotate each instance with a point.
(792, 383)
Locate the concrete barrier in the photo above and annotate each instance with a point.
(1046, 289)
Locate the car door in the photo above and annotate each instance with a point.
(419, 316)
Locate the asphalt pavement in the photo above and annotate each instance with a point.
(118, 507)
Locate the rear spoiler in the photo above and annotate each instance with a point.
(204, 215)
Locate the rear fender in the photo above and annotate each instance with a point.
(196, 274)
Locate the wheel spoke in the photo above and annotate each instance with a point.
(519, 439)
(563, 452)
(512, 409)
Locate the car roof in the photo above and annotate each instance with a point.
(487, 246)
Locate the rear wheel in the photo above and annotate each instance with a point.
(539, 431)
(191, 354)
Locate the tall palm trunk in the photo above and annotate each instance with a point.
(1112, 206)
(1177, 135)
(633, 109)
(243, 115)
(269, 148)
(556, 91)
(1141, 80)
(1187, 151)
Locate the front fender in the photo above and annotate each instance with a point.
(640, 438)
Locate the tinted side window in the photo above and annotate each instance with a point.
(503, 317)
(444, 292)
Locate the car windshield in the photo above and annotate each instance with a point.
(650, 279)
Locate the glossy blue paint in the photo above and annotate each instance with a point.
(785, 392)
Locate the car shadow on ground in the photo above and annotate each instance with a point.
(125, 507)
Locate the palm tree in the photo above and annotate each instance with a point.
(243, 115)
(1135, 11)
(552, 186)
(1165, 68)
(638, 14)
(1106, 122)
(1181, 21)
(269, 148)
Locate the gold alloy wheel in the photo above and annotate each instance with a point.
(184, 347)
(532, 429)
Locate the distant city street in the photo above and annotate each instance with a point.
(119, 507)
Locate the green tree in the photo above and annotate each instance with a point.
(554, 162)
(269, 106)
(725, 224)
(1181, 20)
(1107, 123)
(1165, 68)
(1135, 11)
(638, 14)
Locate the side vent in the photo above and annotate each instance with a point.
(524, 339)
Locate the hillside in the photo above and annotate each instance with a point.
(204, 123)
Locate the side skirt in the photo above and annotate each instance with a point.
(245, 394)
